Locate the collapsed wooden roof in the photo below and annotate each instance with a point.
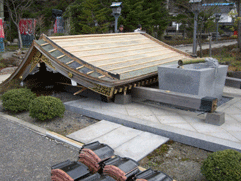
(105, 63)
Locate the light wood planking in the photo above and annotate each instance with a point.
(120, 55)
(143, 67)
(90, 72)
(61, 56)
(148, 56)
(144, 62)
(107, 46)
(44, 44)
(91, 35)
(102, 76)
(50, 51)
(112, 51)
(80, 67)
(108, 38)
(71, 44)
(69, 62)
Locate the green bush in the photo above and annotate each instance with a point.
(17, 100)
(46, 107)
(222, 166)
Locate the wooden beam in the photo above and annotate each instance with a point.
(44, 44)
(50, 51)
(90, 72)
(168, 97)
(115, 91)
(78, 92)
(102, 76)
(80, 67)
(60, 56)
(69, 62)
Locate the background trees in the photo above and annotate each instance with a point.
(16, 10)
(94, 16)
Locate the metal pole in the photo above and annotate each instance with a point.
(116, 21)
(217, 34)
(194, 50)
(210, 45)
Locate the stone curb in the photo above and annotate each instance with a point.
(183, 136)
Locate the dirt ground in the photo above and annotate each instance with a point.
(181, 162)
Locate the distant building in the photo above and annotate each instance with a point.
(222, 7)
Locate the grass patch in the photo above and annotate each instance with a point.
(12, 47)
(161, 151)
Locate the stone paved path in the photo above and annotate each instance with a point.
(126, 142)
(165, 121)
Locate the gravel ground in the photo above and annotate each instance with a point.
(26, 155)
(70, 122)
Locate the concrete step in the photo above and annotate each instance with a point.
(126, 142)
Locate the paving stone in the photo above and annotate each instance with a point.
(183, 126)
(94, 131)
(232, 127)
(236, 134)
(143, 118)
(236, 117)
(224, 135)
(206, 128)
(140, 146)
(118, 136)
(171, 119)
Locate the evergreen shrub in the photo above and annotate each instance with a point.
(46, 107)
(222, 165)
(17, 100)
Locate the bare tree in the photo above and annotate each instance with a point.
(16, 8)
(40, 23)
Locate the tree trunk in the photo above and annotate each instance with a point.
(20, 39)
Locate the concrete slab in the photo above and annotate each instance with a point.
(181, 126)
(118, 136)
(94, 131)
(126, 142)
(140, 146)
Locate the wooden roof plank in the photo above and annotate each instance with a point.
(107, 46)
(142, 61)
(139, 67)
(110, 63)
(93, 59)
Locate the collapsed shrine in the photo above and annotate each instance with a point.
(108, 64)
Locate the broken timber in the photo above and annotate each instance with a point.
(108, 64)
(206, 104)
